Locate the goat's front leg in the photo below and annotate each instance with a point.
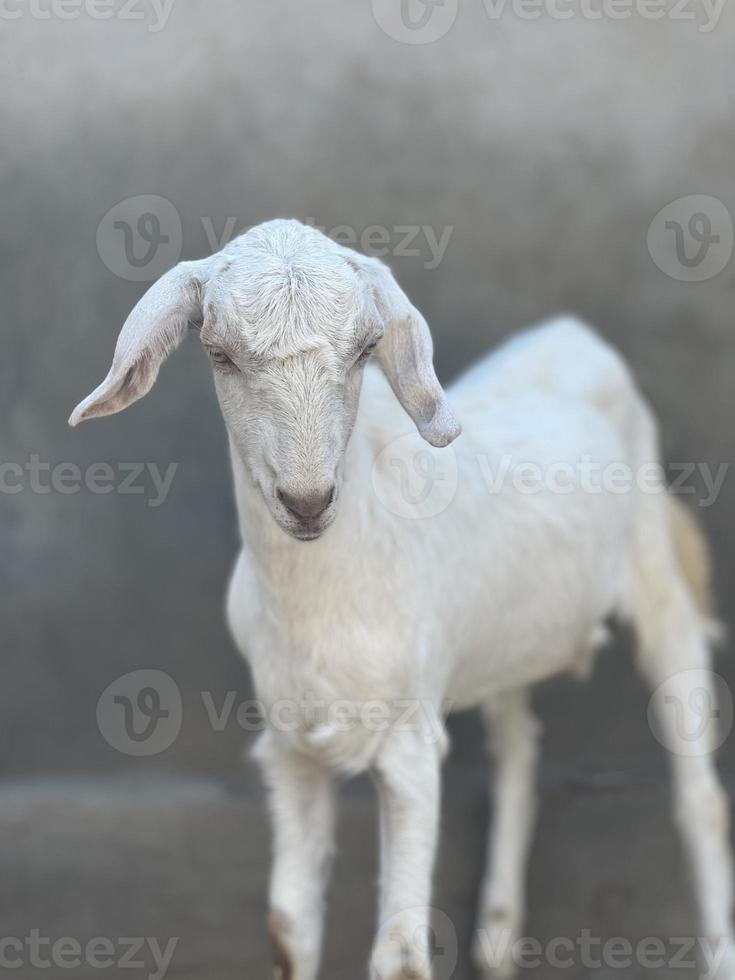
(303, 813)
(407, 775)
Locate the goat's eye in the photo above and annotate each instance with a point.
(367, 352)
(219, 358)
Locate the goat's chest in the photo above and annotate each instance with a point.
(329, 671)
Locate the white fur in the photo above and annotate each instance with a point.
(498, 590)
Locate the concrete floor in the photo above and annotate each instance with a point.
(188, 860)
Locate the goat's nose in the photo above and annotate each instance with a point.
(309, 505)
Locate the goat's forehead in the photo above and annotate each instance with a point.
(291, 379)
(281, 308)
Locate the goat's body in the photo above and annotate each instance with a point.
(435, 578)
(503, 587)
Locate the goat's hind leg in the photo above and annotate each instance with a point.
(513, 738)
(675, 659)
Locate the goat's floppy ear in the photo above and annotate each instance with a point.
(405, 354)
(153, 330)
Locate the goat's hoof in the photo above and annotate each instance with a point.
(504, 970)
(726, 969)
(492, 953)
(399, 959)
(283, 965)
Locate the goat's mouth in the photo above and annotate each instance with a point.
(307, 531)
(307, 535)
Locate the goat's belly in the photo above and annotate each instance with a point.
(555, 624)
(479, 677)
(540, 593)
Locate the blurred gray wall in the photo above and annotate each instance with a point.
(547, 148)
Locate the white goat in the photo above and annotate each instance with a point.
(495, 589)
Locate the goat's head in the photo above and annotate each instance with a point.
(288, 318)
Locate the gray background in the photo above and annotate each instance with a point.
(548, 147)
